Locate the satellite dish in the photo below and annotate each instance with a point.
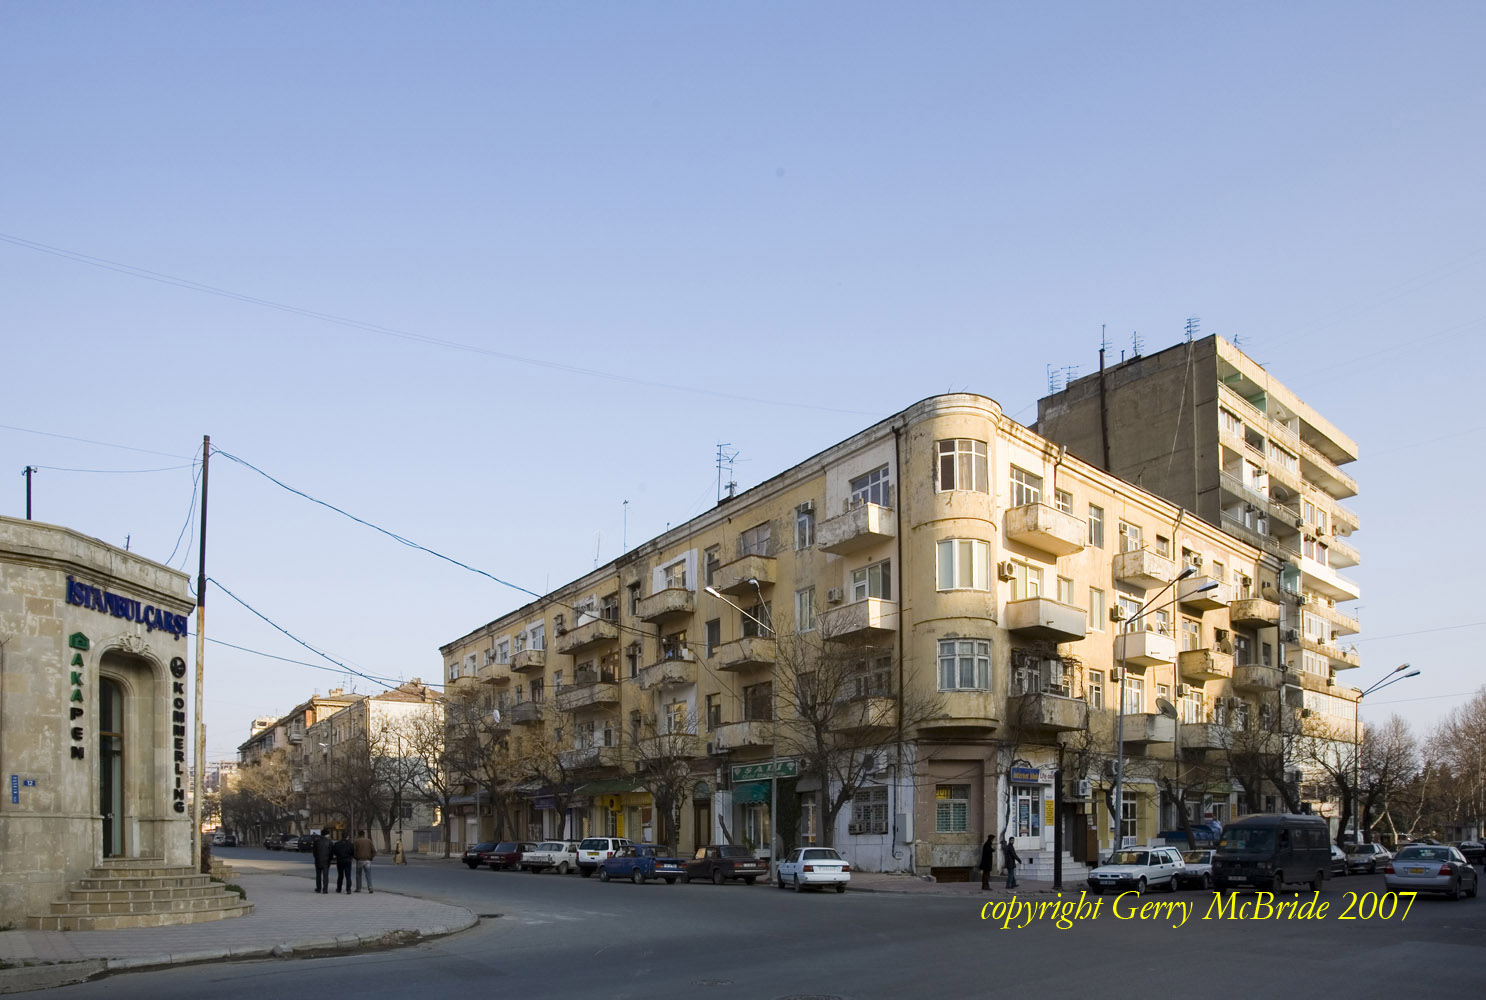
(1165, 707)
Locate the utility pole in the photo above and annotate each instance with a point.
(200, 742)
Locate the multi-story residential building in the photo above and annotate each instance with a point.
(963, 591)
(287, 731)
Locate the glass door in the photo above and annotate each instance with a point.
(111, 766)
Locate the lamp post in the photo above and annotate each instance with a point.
(774, 717)
(1391, 677)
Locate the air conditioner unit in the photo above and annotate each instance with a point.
(711, 749)
(874, 762)
(1331, 682)
(1109, 768)
(1117, 613)
(1005, 570)
(854, 828)
(1305, 713)
(1083, 788)
(1197, 561)
(808, 505)
(1183, 690)
(1300, 522)
(834, 596)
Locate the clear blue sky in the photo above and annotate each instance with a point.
(761, 223)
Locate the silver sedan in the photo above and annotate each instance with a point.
(1431, 869)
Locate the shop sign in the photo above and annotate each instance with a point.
(178, 730)
(86, 595)
(766, 769)
(1026, 776)
(75, 700)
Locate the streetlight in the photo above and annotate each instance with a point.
(1119, 795)
(1391, 677)
(774, 716)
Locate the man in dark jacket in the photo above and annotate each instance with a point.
(343, 851)
(987, 862)
(322, 852)
(1008, 853)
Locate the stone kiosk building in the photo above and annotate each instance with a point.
(95, 830)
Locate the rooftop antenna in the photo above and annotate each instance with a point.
(598, 540)
(1194, 323)
(624, 538)
(1103, 339)
(725, 458)
(1135, 344)
(1238, 341)
(1053, 377)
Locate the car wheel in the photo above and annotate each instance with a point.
(780, 883)
(1171, 885)
(799, 886)
(1318, 881)
(637, 877)
(1098, 890)
(1140, 886)
(685, 878)
(671, 881)
(586, 872)
(603, 874)
(563, 869)
(1278, 882)
(1454, 894)
(717, 877)
(749, 881)
(1207, 882)
(1372, 867)
(472, 865)
(840, 886)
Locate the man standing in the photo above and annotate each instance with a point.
(363, 850)
(987, 862)
(321, 851)
(1008, 853)
(343, 852)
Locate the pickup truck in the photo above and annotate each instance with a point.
(720, 862)
(639, 862)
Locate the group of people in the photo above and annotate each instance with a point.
(1009, 858)
(343, 853)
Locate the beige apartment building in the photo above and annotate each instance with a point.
(980, 589)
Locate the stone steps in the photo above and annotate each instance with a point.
(140, 892)
(1040, 869)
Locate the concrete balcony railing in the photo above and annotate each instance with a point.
(673, 602)
(1341, 623)
(1322, 471)
(1050, 712)
(529, 660)
(1197, 666)
(526, 713)
(873, 618)
(1046, 529)
(739, 576)
(1255, 677)
(1043, 618)
(746, 653)
(496, 675)
(861, 715)
(861, 527)
(578, 696)
(1342, 552)
(1144, 649)
(589, 758)
(1205, 736)
(587, 636)
(1341, 659)
(754, 733)
(668, 746)
(1145, 569)
(1326, 581)
(1190, 595)
(1254, 612)
(678, 671)
(1150, 727)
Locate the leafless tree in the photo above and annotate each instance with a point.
(661, 761)
(422, 736)
(261, 796)
(541, 756)
(478, 750)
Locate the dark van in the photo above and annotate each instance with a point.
(1266, 852)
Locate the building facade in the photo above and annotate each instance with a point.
(899, 646)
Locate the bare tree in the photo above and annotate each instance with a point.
(661, 761)
(422, 739)
(261, 795)
(1458, 744)
(477, 749)
(542, 755)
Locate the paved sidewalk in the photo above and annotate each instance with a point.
(896, 882)
(288, 918)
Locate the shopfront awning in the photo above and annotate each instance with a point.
(611, 786)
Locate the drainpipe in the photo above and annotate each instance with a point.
(897, 793)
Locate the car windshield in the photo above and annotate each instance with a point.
(734, 851)
(487, 846)
(1423, 854)
(549, 847)
(1362, 848)
(505, 848)
(594, 844)
(1254, 839)
(1197, 857)
(819, 854)
(1130, 858)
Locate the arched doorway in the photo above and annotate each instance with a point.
(111, 765)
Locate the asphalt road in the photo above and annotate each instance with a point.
(556, 936)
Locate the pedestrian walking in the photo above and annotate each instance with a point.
(363, 850)
(343, 852)
(987, 862)
(1008, 853)
(321, 851)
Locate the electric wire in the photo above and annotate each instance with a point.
(101, 444)
(115, 472)
(190, 516)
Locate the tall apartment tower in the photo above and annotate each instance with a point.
(1205, 426)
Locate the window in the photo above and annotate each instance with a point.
(1230, 422)
(673, 646)
(676, 717)
(804, 526)
(964, 664)
(963, 466)
(503, 651)
(676, 575)
(805, 609)
(754, 541)
(1096, 526)
(1065, 591)
(538, 690)
(632, 658)
(1134, 695)
(1026, 581)
(874, 487)
(1190, 560)
(873, 678)
(952, 808)
(1025, 487)
(1131, 539)
(557, 680)
(869, 809)
(758, 702)
(809, 820)
(713, 559)
(714, 635)
(1027, 810)
(609, 608)
(1129, 810)
(1163, 691)
(1192, 708)
(875, 580)
(538, 637)
(1095, 691)
(1163, 545)
(1063, 500)
(756, 620)
(1097, 611)
(1266, 653)
(1218, 571)
(714, 711)
(1314, 663)
(1037, 673)
(1241, 716)
(1191, 634)
(1159, 621)
(964, 564)
(632, 599)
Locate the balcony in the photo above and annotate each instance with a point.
(1341, 553)
(580, 696)
(1042, 618)
(677, 671)
(745, 654)
(754, 733)
(525, 713)
(1255, 677)
(1205, 736)
(1046, 529)
(868, 619)
(863, 715)
(738, 576)
(1045, 711)
(1145, 649)
(1143, 568)
(1326, 581)
(1254, 612)
(1188, 596)
(587, 636)
(673, 602)
(496, 675)
(529, 661)
(1323, 472)
(1341, 622)
(1341, 659)
(861, 527)
(1198, 666)
(1148, 728)
(589, 758)
(667, 746)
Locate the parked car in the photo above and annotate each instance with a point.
(1431, 868)
(305, 843)
(1366, 857)
(1197, 869)
(559, 854)
(1338, 861)
(1139, 869)
(507, 854)
(820, 867)
(228, 839)
(592, 850)
(720, 862)
(1269, 851)
(1473, 850)
(1204, 836)
(280, 842)
(477, 854)
(638, 862)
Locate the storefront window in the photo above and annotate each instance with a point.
(1027, 810)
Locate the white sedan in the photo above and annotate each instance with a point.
(1139, 869)
(814, 866)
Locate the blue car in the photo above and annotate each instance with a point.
(638, 862)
